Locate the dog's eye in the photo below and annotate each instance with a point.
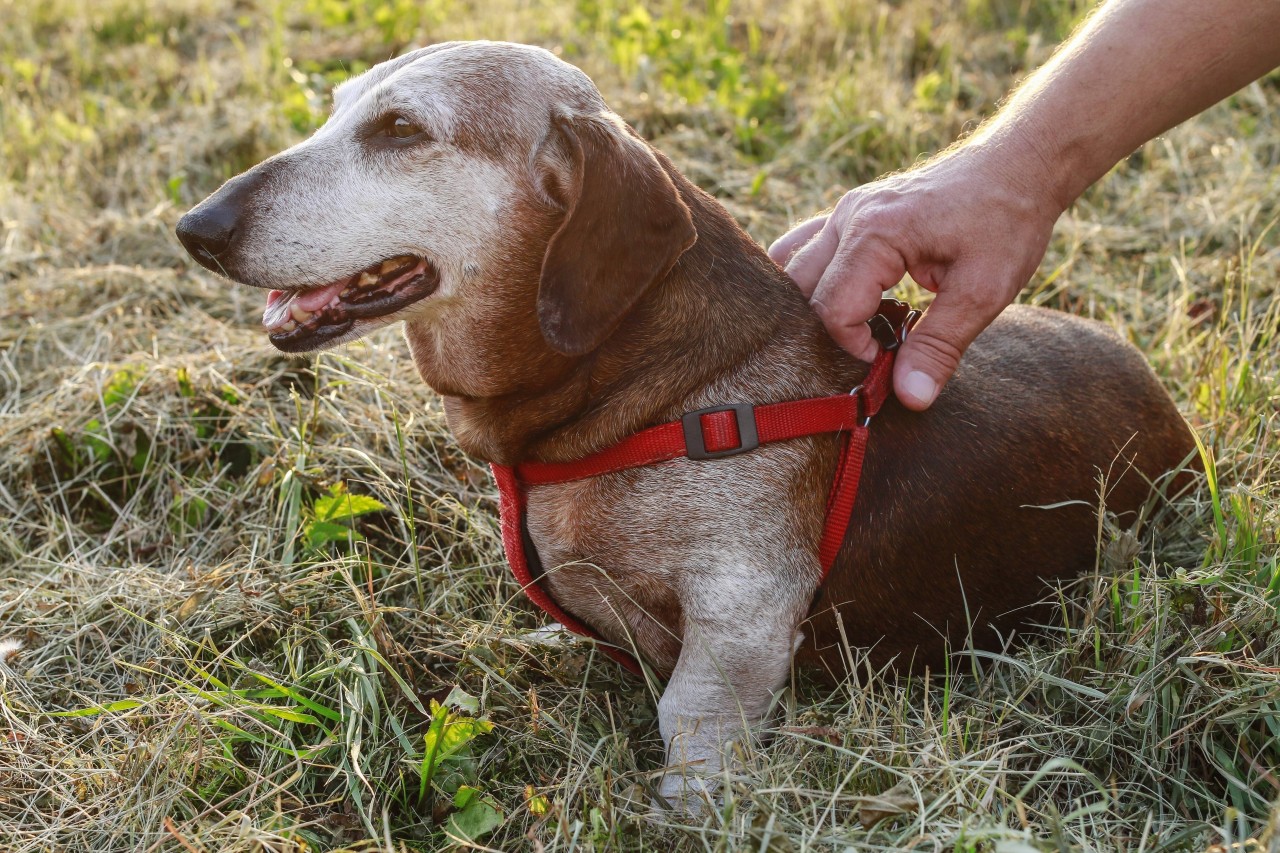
(399, 127)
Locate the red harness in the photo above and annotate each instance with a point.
(714, 433)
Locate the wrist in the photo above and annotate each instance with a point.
(1068, 173)
(1046, 168)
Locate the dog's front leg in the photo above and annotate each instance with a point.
(736, 651)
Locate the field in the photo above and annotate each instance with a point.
(253, 602)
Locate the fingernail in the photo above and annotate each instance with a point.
(921, 386)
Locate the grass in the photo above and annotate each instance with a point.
(262, 602)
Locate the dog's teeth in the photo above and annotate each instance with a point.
(389, 265)
(299, 313)
(367, 279)
(346, 291)
(289, 326)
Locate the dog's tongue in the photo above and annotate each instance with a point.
(311, 300)
(318, 297)
(277, 308)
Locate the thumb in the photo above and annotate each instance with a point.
(934, 347)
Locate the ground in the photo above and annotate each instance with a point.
(261, 602)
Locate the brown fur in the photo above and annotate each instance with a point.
(588, 291)
(946, 533)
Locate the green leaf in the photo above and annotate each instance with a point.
(25, 68)
(454, 734)
(66, 446)
(340, 505)
(288, 714)
(122, 385)
(327, 713)
(477, 815)
(321, 533)
(174, 186)
(430, 759)
(446, 737)
(100, 449)
(463, 796)
(537, 804)
(122, 705)
(462, 700)
(185, 387)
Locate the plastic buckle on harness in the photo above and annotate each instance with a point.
(892, 322)
(695, 443)
(884, 332)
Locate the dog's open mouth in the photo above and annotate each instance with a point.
(307, 319)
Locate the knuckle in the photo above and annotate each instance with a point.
(833, 317)
(854, 204)
(847, 315)
(823, 311)
(879, 220)
(851, 199)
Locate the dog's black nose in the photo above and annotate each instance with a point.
(209, 230)
(206, 232)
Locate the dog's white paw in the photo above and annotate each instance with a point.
(688, 795)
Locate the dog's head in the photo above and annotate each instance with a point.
(475, 186)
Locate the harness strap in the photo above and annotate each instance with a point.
(721, 430)
(714, 433)
(844, 489)
(527, 568)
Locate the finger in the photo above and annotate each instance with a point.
(810, 261)
(849, 292)
(862, 268)
(933, 350)
(854, 338)
(785, 246)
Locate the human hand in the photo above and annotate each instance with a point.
(969, 226)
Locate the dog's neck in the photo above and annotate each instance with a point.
(724, 314)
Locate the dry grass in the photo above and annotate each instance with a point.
(196, 675)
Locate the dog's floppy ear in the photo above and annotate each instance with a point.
(625, 226)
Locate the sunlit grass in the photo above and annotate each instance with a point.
(262, 599)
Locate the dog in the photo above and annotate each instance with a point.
(563, 286)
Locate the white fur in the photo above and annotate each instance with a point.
(740, 634)
(336, 205)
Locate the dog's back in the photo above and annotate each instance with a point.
(1050, 420)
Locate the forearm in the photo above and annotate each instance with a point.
(972, 225)
(1133, 70)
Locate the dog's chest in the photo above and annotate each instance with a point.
(607, 560)
(629, 552)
